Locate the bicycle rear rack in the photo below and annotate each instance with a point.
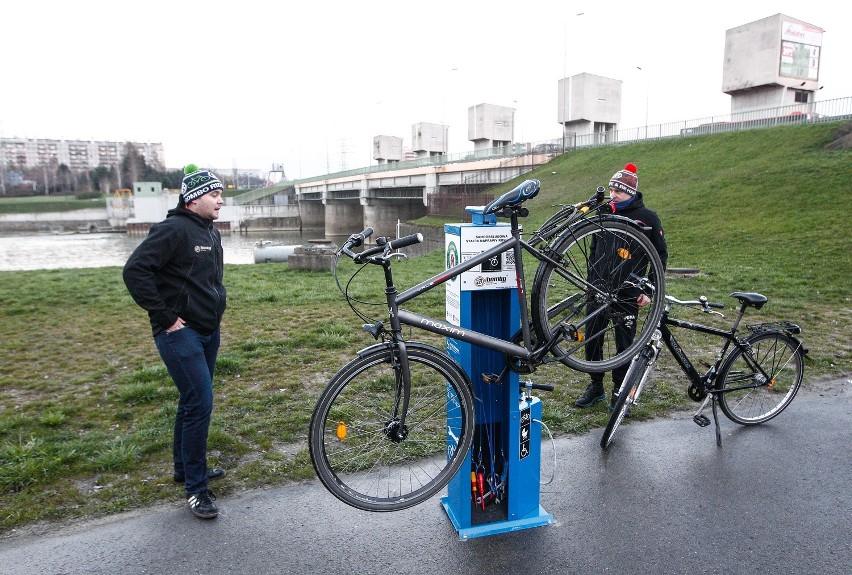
(783, 325)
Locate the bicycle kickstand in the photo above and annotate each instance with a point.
(703, 421)
(716, 421)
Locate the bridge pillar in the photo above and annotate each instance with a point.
(312, 213)
(382, 214)
(343, 217)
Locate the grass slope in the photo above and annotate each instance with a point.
(86, 405)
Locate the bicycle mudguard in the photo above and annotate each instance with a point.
(623, 219)
(528, 189)
(787, 328)
(411, 345)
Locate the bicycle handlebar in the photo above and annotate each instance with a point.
(383, 245)
(542, 386)
(701, 301)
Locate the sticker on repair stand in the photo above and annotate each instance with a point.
(526, 419)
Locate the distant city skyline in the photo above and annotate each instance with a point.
(280, 84)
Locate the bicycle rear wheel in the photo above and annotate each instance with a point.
(745, 396)
(354, 444)
(626, 396)
(591, 295)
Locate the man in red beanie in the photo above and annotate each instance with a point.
(626, 201)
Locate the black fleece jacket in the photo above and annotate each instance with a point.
(607, 267)
(177, 271)
(646, 217)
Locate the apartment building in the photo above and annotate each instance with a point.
(78, 155)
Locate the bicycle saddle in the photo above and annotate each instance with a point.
(528, 189)
(754, 299)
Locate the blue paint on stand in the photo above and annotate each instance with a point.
(482, 302)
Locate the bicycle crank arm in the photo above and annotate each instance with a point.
(699, 418)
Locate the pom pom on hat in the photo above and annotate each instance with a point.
(626, 180)
(198, 182)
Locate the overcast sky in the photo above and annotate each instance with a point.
(307, 84)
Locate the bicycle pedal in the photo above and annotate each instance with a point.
(701, 420)
(490, 378)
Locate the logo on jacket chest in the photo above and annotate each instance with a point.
(200, 249)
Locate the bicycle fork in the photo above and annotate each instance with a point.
(651, 352)
(395, 428)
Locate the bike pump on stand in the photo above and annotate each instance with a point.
(497, 489)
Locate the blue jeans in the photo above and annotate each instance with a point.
(190, 359)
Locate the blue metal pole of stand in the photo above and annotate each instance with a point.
(507, 441)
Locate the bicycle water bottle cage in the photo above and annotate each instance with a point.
(528, 189)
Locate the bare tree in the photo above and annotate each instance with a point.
(132, 166)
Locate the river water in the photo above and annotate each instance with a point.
(47, 251)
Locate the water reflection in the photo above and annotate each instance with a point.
(43, 251)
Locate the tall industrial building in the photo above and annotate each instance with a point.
(772, 62)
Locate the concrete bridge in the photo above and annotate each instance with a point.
(343, 204)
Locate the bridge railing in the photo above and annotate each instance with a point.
(823, 111)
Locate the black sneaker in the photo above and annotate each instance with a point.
(594, 394)
(611, 406)
(612, 401)
(214, 473)
(201, 504)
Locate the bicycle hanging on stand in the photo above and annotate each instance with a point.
(752, 384)
(394, 425)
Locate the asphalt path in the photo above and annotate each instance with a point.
(774, 499)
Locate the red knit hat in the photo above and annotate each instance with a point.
(626, 180)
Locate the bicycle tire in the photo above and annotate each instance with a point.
(361, 465)
(780, 356)
(560, 293)
(632, 381)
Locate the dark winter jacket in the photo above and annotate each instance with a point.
(648, 218)
(177, 272)
(611, 263)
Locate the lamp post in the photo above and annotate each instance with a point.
(565, 115)
(647, 90)
(444, 94)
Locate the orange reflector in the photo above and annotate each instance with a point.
(624, 253)
(341, 431)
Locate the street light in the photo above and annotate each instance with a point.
(565, 114)
(647, 89)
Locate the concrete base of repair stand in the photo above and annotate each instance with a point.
(539, 519)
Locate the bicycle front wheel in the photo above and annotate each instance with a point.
(745, 395)
(627, 395)
(362, 452)
(591, 296)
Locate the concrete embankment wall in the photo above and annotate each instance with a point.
(76, 220)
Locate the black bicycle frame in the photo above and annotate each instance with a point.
(398, 316)
(684, 362)
(518, 246)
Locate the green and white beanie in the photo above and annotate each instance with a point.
(198, 182)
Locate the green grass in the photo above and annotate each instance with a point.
(44, 204)
(86, 406)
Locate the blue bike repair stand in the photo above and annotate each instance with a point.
(507, 435)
